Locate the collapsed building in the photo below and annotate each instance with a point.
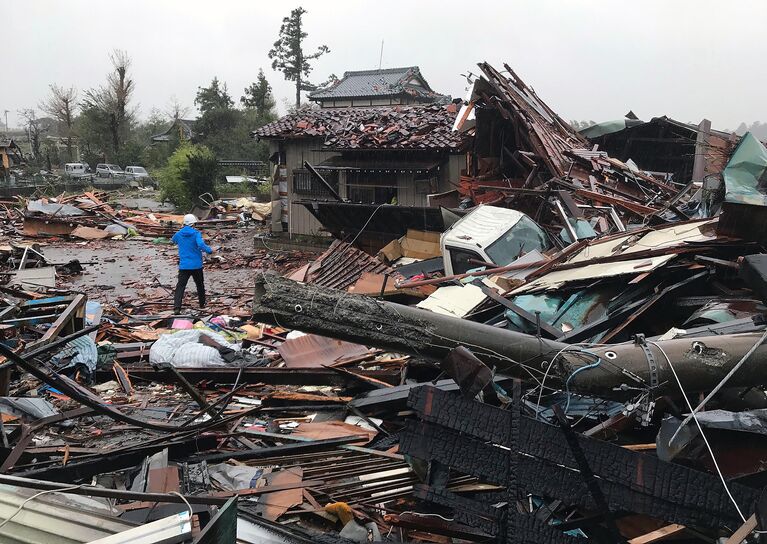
(552, 344)
(645, 306)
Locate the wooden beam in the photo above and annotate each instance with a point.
(743, 531)
(658, 534)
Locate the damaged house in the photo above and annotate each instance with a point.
(10, 156)
(681, 151)
(379, 138)
(180, 129)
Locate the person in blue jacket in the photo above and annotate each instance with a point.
(190, 247)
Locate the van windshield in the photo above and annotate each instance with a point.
(523, 237)
(139, 170)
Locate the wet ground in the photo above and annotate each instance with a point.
(140, 271)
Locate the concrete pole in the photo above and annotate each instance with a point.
(613, 371)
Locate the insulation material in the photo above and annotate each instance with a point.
(183, 349)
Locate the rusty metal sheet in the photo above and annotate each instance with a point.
(312, 350)
(272, 505)
(34, 227)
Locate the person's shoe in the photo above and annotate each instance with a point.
(176, 311)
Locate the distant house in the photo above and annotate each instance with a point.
(181, 129)
(10, 156)
(389, 87)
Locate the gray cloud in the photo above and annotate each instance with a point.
(591, 59)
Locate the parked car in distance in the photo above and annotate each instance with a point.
(136, 172)
(77, 169)
(108, 170)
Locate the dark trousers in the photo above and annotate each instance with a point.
(183, 279)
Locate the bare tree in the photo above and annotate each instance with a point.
(62, 106)
(176, 110)
(34, 130)
(112, 99)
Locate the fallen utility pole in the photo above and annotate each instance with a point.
(372, 322)
(616, 371)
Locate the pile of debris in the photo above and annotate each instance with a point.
(578, 355)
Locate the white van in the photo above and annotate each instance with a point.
(76, 169)
(489, 234)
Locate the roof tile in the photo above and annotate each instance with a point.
(396, 127)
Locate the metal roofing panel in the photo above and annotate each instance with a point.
(64, 519)
(342, 265)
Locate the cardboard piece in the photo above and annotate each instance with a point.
(416, 244)
(90, 233)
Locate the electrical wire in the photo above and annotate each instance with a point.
(576, 350)
(33, 497)
(366, 224)
(577, 371)
(720, 384)
(425, 515)
(189, 506)
(700, 430)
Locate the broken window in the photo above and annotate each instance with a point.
(305, 184)
(461, 260)
(371, 187)
(523, 237)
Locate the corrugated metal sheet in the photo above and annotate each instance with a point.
(63, 519)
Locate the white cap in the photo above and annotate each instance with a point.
(189, 219)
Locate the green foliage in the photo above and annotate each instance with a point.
(224, 129)
(258, 96)
(213, 98)
(92, 126)
(130, 154)
(288, 55)
(190, 172)
(203, 168)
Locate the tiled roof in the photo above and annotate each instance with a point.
(377, 83)
(395, 127)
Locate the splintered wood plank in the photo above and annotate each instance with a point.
(658, 534)
(743, 531)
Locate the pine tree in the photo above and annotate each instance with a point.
(288, 55)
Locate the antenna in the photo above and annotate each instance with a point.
(380, 58)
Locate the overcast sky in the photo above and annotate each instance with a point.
(589, 59)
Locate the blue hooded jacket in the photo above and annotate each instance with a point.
(190, 248)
